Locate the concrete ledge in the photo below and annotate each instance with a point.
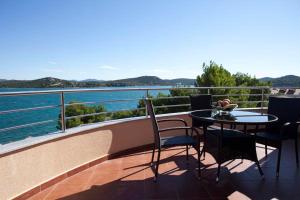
(50, 159)
(76, 170)
(31, 167)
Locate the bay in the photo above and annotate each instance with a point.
(24, 117)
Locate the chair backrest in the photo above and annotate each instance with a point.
(200, 102)
(287, 109)
(151, 112)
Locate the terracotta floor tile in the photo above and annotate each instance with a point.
(64, 190)
(131, 177)
(43, 194)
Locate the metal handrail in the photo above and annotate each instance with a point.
(119, 90)
(171, 106)
(28, 109)
(63, 104)
(26, 125)
(103, 102)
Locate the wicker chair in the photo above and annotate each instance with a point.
(171, 141)
(287, 109)
(228, 144)
(200, 102)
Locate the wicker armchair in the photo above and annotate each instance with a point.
(287, 109)
(187, 139)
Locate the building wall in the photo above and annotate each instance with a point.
(24, 169)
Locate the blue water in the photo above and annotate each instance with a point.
(25, 117)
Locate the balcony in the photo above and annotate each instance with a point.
(130, 177)
(110, 160)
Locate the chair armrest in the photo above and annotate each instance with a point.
(175, 128)
(181, 128)
(172, 119)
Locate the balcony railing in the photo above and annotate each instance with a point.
(259, 98)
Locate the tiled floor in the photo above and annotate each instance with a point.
(130, 177)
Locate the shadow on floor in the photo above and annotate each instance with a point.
(177, 180)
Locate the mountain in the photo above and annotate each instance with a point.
(284, 81)
(50, 82)
(92, 80)
(150, 80)
(266, 79)
(143, 80)
(47, 82)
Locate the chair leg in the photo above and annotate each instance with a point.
(187, 153)
(278, 161)
(204, 141)
(296, 151)
(242, 158)
(266, 148)
(259, 169)
(202, 151)
(199, 155)
(157, 164)
(153, 152)
(218, 173)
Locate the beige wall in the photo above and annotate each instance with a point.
(25, 169)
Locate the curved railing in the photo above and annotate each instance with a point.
(56, 158)
(261, 94)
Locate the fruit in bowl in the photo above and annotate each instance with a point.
(226, 105)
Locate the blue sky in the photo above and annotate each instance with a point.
(112, 39)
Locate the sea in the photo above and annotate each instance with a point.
(20, 118)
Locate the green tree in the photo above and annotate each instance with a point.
(247, 80)
(75, 109)
(127, 114)
(215, 75)
(176, 101)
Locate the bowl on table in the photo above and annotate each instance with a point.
(225, 109)
(229, 107)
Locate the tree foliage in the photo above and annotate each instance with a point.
(76, 109)
(215, 75)
(177, 100)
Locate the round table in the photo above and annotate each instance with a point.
(234, 117)
(238, 141)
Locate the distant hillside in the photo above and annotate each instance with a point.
(266, 79)
(284, 81)
(149, 80)
(92, 80)
(50, 82)
(47, 82)
(143, 80)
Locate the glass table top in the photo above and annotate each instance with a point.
(235, 117)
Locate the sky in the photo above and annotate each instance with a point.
(114, 39)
